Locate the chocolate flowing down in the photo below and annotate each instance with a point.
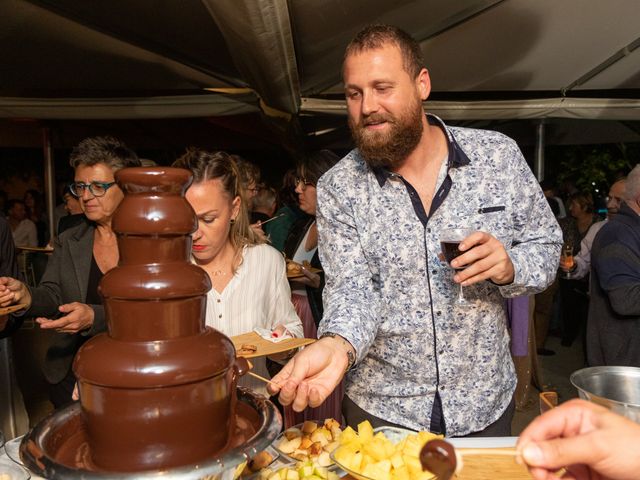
(439, 457)
(159, 389)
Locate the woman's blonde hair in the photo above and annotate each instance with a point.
(221, 166)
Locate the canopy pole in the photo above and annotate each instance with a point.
(49, 179)
(539, 158)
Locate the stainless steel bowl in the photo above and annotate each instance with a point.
(617, 388)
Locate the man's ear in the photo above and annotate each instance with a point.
(423, 83)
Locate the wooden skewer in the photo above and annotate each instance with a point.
(255, 375)
(272, 218)
(546, 401)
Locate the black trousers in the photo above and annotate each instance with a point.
(353, 415)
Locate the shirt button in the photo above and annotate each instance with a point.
(220, 316)
(434, 272)
(441, 352)
(438, 313)
(219, 300)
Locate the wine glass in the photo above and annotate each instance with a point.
(566, 259)
(450, 239)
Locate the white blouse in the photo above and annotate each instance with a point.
(258, 295)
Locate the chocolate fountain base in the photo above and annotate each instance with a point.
(57, 448)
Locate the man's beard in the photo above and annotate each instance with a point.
(389, 149)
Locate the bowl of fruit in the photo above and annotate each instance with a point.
(310, 441)
(385, 453)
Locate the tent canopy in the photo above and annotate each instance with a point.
(280, 60)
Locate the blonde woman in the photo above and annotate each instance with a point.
(248, 277)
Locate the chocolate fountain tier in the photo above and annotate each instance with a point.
(58, 447)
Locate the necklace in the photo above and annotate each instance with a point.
(218, 273)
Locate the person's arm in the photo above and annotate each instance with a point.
(349, 298)
(32, 234)
(588, 440)
(53, 308)
(349, 306)
(281, 311)
(536, 238)
(582, 261)
(618, 271)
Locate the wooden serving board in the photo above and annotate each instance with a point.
(292, 276)
(265, 347)
(491, 467)
(12, 308)
(487, 467)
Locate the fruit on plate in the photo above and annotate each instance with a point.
(374, 456)
(257, 463)
(301, 471)
(311, 441)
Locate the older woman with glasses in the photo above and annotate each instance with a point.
(67, 301)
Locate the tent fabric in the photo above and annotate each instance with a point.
(148, 53)
(576, 108)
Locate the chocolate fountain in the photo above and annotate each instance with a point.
(158, 391)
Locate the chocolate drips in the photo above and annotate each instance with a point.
(439, 457)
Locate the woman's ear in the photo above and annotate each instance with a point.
(235, 207)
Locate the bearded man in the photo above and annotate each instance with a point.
(414, 357)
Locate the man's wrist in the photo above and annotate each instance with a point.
(346, 346)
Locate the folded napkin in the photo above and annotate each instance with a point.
(269, 335)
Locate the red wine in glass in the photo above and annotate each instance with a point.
(450, 250)
(450, 240)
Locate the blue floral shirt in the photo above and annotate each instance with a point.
(388, 293)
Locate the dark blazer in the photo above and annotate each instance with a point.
(613, 329)
(64, 281)
(8, 268)
(296, 235)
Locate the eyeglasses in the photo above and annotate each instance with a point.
(97, 189)
(614, 199)
(305, 183)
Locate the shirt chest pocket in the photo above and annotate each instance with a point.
(491, 217)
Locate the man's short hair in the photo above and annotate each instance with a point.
(108, 150)
(632, 185)
(377, 36)
(265, 198)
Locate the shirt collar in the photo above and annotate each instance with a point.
(457, 157)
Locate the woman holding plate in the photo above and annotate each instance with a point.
(249, 285)
(302, 246)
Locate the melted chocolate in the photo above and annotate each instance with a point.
(159, 390)
(439, 457)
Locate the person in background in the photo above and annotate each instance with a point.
(249, 179)
(67, 301)
(288, 213)
(264, 204)
(4, 199)
(613, 328)
(249, 284)
(573, 291)
(587, 440)
(302, 246)
(555, 202)
(23, 229)
(414, 357)
(8, 268)
(582, 261)
(14, 420)
(74, 211)
(36, 211)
